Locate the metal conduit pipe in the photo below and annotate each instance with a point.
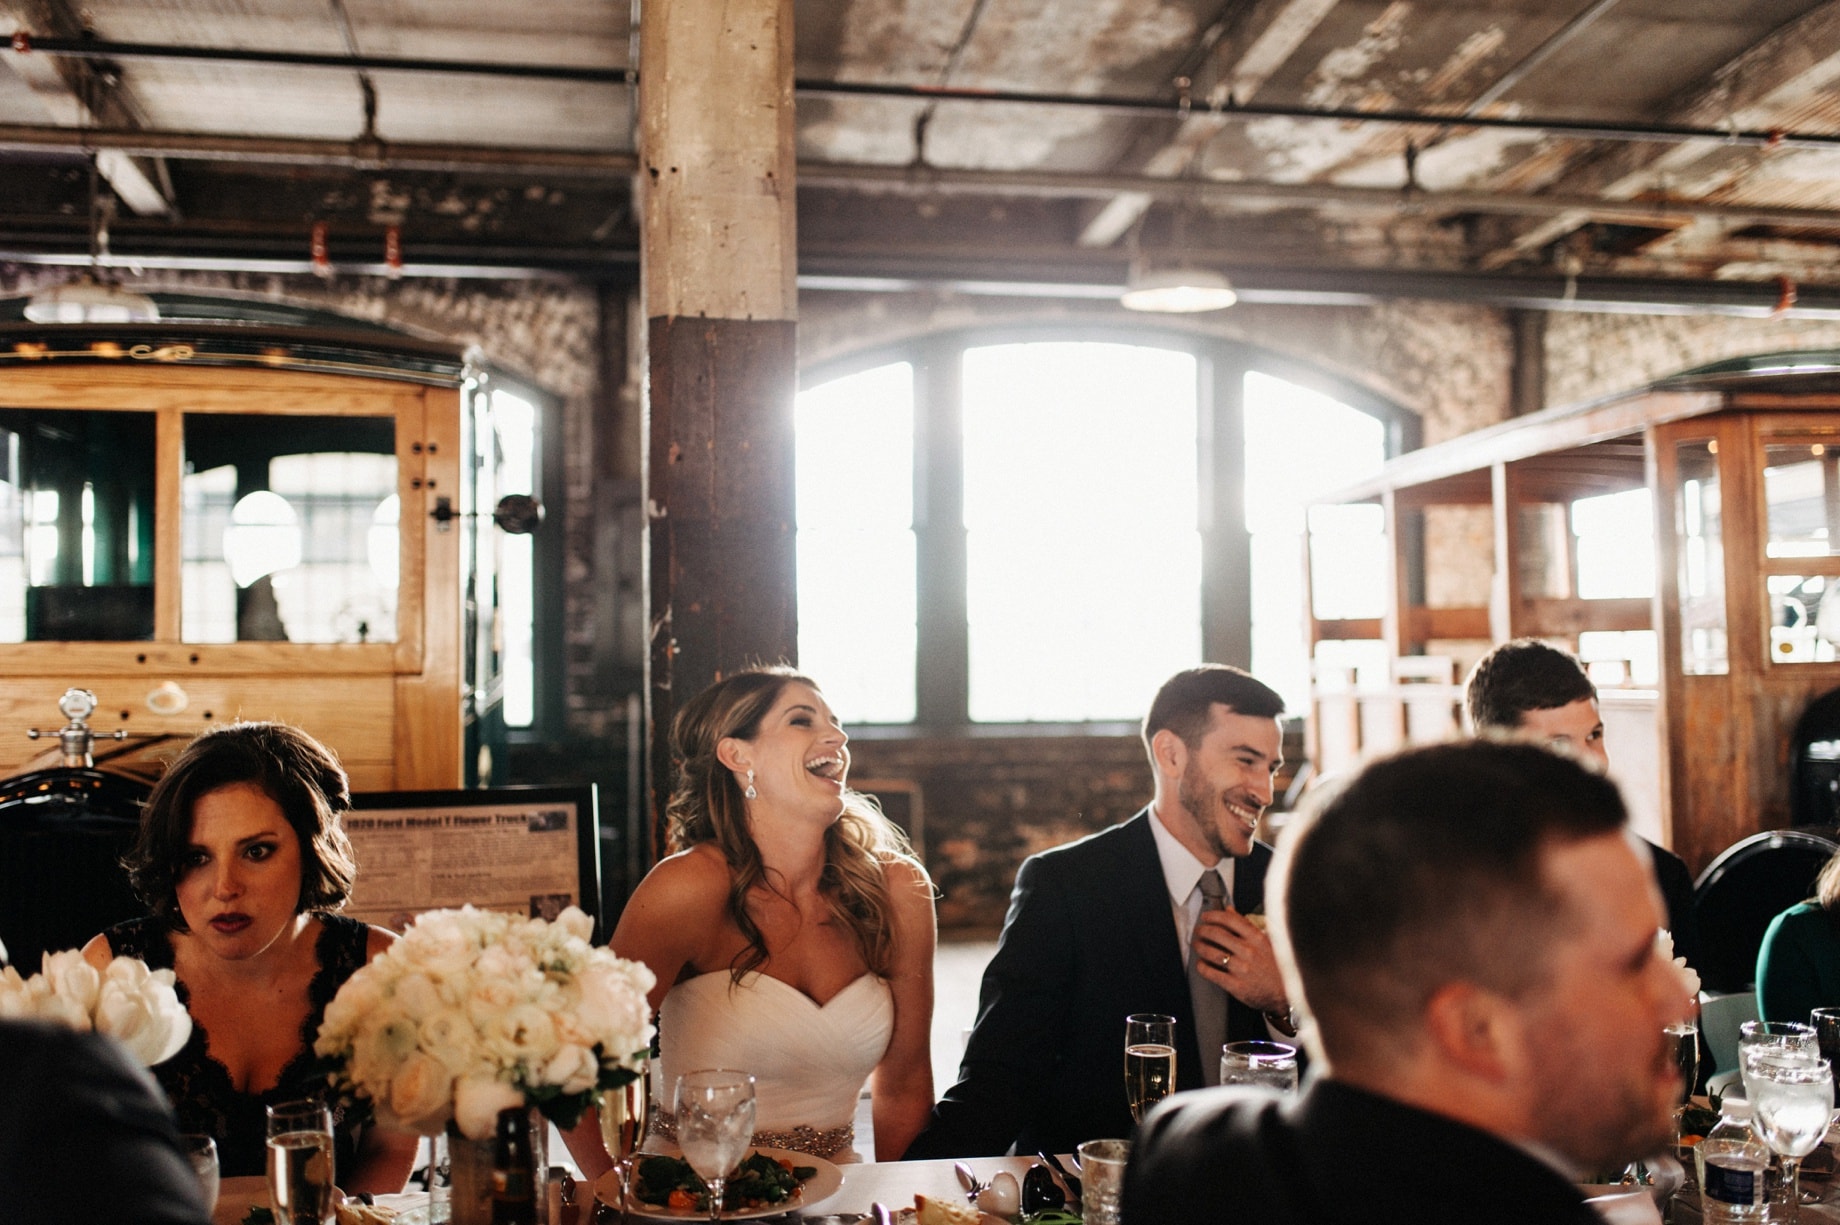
(1174, 108)
(922, 180)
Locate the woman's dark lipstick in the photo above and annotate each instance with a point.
(230, 924)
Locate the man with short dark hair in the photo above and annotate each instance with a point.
(1148, 916)
(1532, 689)
(1472, 933)
(85, 1134)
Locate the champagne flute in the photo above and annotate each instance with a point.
(623, 1118)
(201, 1151)
(1149, 1060)
(1683, 1039)
(715, 1122)
(300, 1163)
(1792, 1099)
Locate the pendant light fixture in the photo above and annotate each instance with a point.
(90, 298)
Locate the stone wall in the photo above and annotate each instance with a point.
(1590, 356)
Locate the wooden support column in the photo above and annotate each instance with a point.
(716, 187)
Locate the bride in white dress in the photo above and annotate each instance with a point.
(792, 931)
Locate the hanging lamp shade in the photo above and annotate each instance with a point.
(87, 300)
(1176, 291)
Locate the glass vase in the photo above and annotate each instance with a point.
(469, 1165)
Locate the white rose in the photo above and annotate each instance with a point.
(421, 1094)
(416, 995)
(477, 1102)
(574, 1070)
(357, 999)
(380, 1047)
(450, 1037)
(149, 1021)
(576, 923)
(524, 1035)
(73, 978)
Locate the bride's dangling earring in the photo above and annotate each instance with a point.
(750, 793)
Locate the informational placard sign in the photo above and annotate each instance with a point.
(526, 850)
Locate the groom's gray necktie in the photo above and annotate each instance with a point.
(1210, 1001)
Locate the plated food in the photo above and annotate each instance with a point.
(801, 1181)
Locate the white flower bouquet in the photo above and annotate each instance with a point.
(473, 1012)
(132, 1004)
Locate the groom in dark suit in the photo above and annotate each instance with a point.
(1148, 916)
(1473, 935)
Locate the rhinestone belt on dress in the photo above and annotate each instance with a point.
(824, 1142)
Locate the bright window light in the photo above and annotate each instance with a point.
(855, 482)
(1301, 444)
(515, 420)
(1616, 545)
(1084, 570)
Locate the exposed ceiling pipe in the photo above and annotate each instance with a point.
(1171, 107)
(905, 179)
(281, 150)
(1081, 275)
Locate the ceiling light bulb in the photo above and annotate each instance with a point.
(1177, 291)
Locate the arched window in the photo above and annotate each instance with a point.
(1016, 528)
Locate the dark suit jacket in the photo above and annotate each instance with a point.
(85, 1136)
(1090, 939)
(1677, 891)
(1332, 1155)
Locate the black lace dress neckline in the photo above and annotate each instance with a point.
(199, 1085)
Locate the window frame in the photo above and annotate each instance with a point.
(942, 650)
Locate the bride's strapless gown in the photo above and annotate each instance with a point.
(809, 1061)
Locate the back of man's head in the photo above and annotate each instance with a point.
(1185, 703)
(1426, 869)
(1519, 676)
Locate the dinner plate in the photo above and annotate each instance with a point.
(819, 1187)
(236, 1196)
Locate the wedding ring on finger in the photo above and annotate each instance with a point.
(1226, 963)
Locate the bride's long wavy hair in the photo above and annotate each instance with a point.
(708, 806)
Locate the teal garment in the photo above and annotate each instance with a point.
(1798, 967)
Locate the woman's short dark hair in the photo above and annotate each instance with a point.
(293, 769)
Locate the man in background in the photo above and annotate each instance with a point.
(1529, 688)
(1473, 938)
(1148, 916)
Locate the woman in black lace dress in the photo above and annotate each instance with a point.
(241, 861)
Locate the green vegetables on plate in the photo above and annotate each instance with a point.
(758, 1182)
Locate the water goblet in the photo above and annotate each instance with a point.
(201, 1151)
(1149, 1060)
(300, 1163)
(715, 1121)
(1792, 1103)
(1273, 1064)
(1782, 1037)
(623, 1118)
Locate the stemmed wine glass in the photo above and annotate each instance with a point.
(715, 1122)
(1149, 1060)
(300, 1163)
(1792, 1101)
(623, 1113)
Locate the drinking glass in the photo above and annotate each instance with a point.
(1149, 1060)
(1826, 1022)
(300, 1163)
(715, 1121)
(201, 1151)
(1102, 1165)
(1683, 1040)
(623, 1118)
(1783, 1037)
(1273, 1064)
(1792, 1102)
